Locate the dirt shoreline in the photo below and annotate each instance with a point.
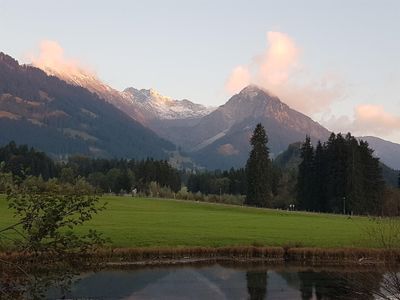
(190, 255)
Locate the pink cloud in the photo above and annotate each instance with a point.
(368, 119)
(375, 120)
(279, 60)
(51, 58)
(238, 79)
(314, 96)
(280, 71)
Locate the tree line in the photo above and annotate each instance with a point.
(22, 161)
(218, 182)
(118, 175)
(338, 176)
(106, 175)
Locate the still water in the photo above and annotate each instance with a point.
(218, 281)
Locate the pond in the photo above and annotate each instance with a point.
(226, 281)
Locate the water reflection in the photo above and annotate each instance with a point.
(224, 281)
(34, 281)
(339, 285)
(256, 284)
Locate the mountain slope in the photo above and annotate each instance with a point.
(221, 139)
(388, 152)
(142, 105)
(225, 133)
(62, 119)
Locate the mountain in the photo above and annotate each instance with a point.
(216, 137)
(213, 137)
(388, 152)
(161, 107)
(221, 139)
(144, 105)
(290, 158)
(63, 119)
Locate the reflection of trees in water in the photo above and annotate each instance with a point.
(256, 284)
(389, 284)
(349, 285)
(390, 287)
(34, 280)
(33, 283)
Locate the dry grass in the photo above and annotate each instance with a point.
(342, 255)
(360, 256)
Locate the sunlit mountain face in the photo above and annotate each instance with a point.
(63, 119)
(143, 105)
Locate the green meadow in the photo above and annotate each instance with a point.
(144, 222)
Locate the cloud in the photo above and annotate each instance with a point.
(341, 124)
(279, 60)
(314, 96)
(374, 119)
(280, 71)
(238, 79)
(51, 59)
(368, 119)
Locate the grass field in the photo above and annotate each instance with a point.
(138, 222)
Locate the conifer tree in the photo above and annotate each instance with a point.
(342, 176)
(305, 197)
(258, 170)
(320, 176)
(354, 197)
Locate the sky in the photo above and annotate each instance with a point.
(336, 61)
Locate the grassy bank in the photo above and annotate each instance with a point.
(139, 222)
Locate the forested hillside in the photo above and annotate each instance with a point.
(62, 120)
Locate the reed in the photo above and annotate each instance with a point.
(241, 253)
(159, 255)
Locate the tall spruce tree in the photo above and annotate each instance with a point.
(320, 175)
(354, 196)
(305, 181)
(258, 170)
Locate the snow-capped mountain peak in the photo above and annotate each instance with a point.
(143, 105)
(161, 107)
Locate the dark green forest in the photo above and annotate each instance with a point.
(339, 176)
(106, 175)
